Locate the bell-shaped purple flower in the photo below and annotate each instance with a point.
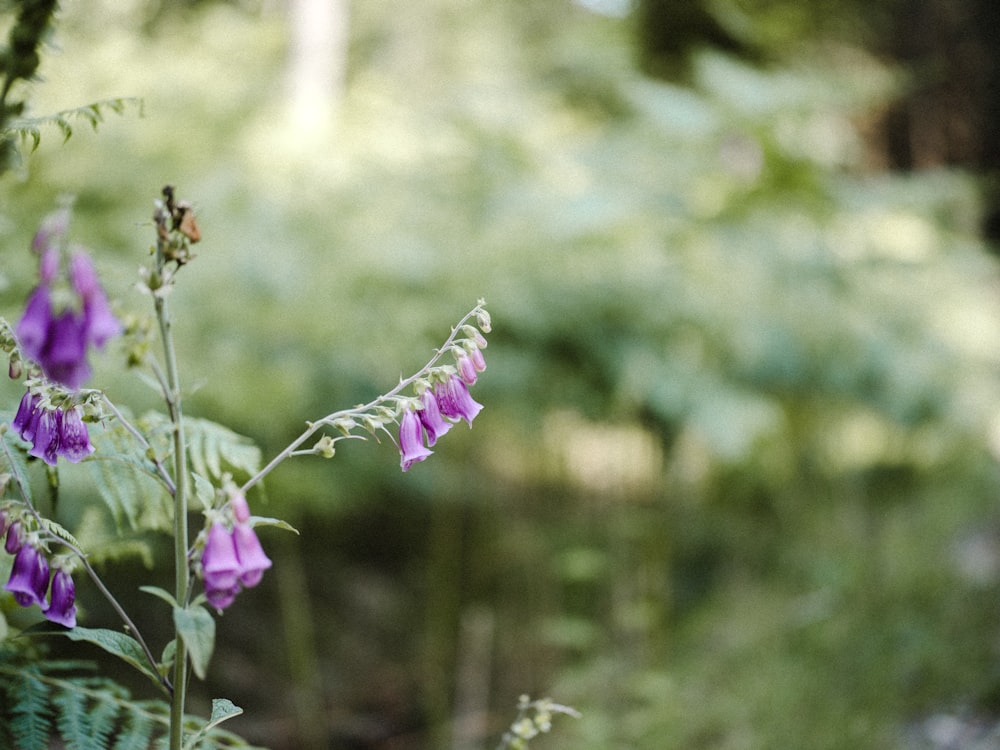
(219, 561)
(74, 440)
(454, 400)
(220, 566)
(26, 419)
(29, 577)
(64, 359)
(15, 538)
(411, 440)
(430, 418)
(62, 600)
(33, 328)
(100, 324)
(46, 438)
(466, 370)
(253, 561)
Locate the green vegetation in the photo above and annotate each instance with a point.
(735, 482)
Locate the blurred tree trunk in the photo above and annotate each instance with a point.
(317, 64)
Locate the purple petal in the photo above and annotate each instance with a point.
(455, 402)
(253, 561)
(430, 418)
(466, 370)
(64, 359)
(26, 419)
(62, 607)
(46, 439)
(219, 562)
(411, 445)
(29, 577)
(33, 328)
(74, 441)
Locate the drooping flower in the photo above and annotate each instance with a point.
(29, 577)
(74, 440)
(411, 442)
(27, 415)
(62, 607)
(33, 328)
(466, 370)
(478, 360)
(52, 432)
(46, 438)
(253, 561)
(14, 538)
(58, 339)
(64, 358)
(100, 324)
(430, 417)
(455, 401)
(221, 567)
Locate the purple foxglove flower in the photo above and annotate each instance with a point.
(478, 360)
(14, 538)
(26, 418)
(411, 443)
(62, 607)
(33, 328)
(253, 561)
(430, 418)
(99, 322)
(74, 441)
(222, 598)
(454, 400)
(220, 565)
(29, 578)
(46, 439)
(466, 370)
(64, 359)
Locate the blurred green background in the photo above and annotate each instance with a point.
(735, 484)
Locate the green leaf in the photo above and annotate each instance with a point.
(265, 521)
(128, 482)
(118, 644)
(160, 593)
(204, 490)
(222, 710)
(196, 627)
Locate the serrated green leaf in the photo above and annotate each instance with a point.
(196, 627)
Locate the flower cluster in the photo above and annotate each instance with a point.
(61, 321)
(29, 576)
(443, 404)
(52, 431)
(232, 558)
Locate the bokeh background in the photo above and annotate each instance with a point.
(735, 485)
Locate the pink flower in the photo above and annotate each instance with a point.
(411, 440)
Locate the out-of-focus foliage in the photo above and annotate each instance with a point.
(733, 485)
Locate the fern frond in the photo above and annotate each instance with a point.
(92, 114)
(31, 714)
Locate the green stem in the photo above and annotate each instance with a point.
(331, 420)
(182, 571)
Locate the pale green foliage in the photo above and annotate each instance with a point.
(31, 128)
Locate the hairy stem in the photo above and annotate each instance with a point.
(331, 419)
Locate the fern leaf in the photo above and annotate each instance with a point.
(31, 127)
(72, 719)
(127, 481)
(30, 712)
(136, 732)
